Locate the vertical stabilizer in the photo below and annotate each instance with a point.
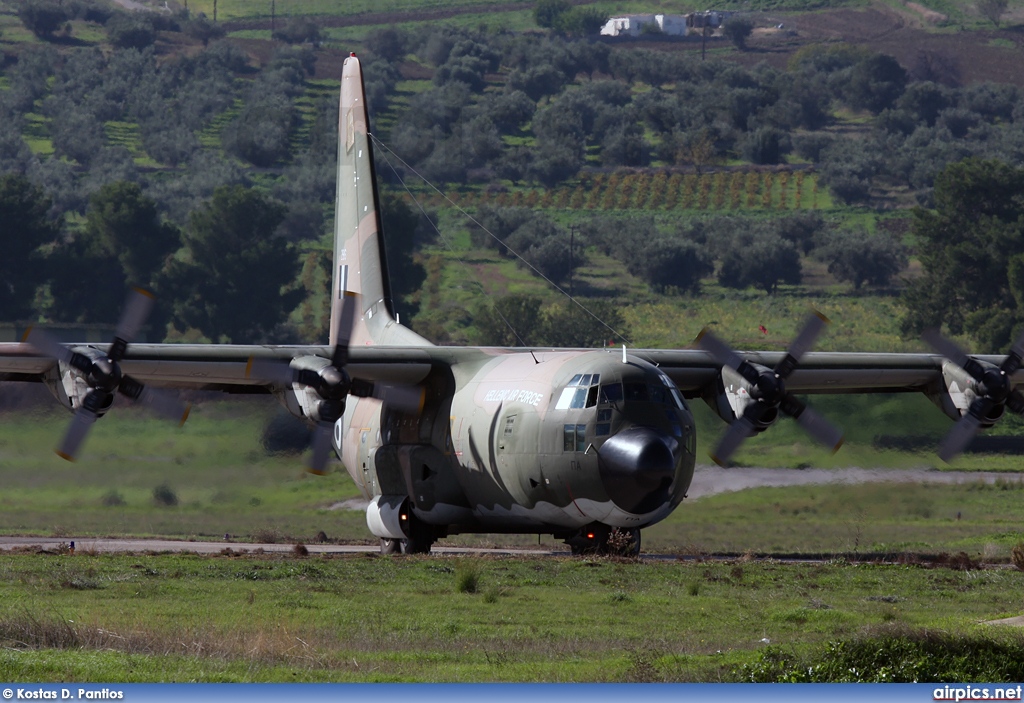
(360, 263)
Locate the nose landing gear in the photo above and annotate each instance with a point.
(601, 539)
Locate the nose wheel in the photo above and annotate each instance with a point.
(601, 539)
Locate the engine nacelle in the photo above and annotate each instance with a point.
(303, 401)
(70, 387)
(957, 390)
(730, 396)
(388, 516)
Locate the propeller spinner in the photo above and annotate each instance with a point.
(332, 384)
(993, 388)
(104, 377)
(768, 391)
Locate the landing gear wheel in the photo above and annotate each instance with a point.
(416, 546)
(390, 546)
(421, 537)
(591, 540)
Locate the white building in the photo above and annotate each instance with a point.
(632, 25)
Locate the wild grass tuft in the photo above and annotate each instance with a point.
(467, 578)
(267, 535)
(1017, 556)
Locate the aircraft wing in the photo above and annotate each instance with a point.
(221, 367)
(819, 372)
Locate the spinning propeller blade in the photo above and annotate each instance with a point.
(993, 386)
(103, 375)
(333, 385)
(321, 449)
(768, 391)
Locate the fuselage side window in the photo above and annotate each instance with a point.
(569, 438)
(574, 438)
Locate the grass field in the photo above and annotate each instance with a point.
(180, 618)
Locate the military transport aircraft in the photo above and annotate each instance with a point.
(590, 446)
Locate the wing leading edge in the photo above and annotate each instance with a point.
(223, 366)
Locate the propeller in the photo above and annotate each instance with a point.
(992, 386)
(768, 390)
(103, 374)
(333, 385)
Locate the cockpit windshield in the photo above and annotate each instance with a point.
(580, 392)
(663, 392)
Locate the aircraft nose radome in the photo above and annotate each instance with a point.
(637, 468)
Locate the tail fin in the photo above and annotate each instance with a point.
(360, 262)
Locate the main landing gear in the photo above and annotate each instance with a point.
(601, 539)
(420, 539)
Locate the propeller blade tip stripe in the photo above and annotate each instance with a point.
(248, 367)
(184, 415)
(317, 472)
(703, 333)
(821, 316)
(28, 331)
(839, 444)
(718, 461)
(143, 291)
(63, 455)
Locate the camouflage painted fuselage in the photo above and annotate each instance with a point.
(516, 442)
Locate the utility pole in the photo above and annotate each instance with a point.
(572, 300)
(572, 240)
